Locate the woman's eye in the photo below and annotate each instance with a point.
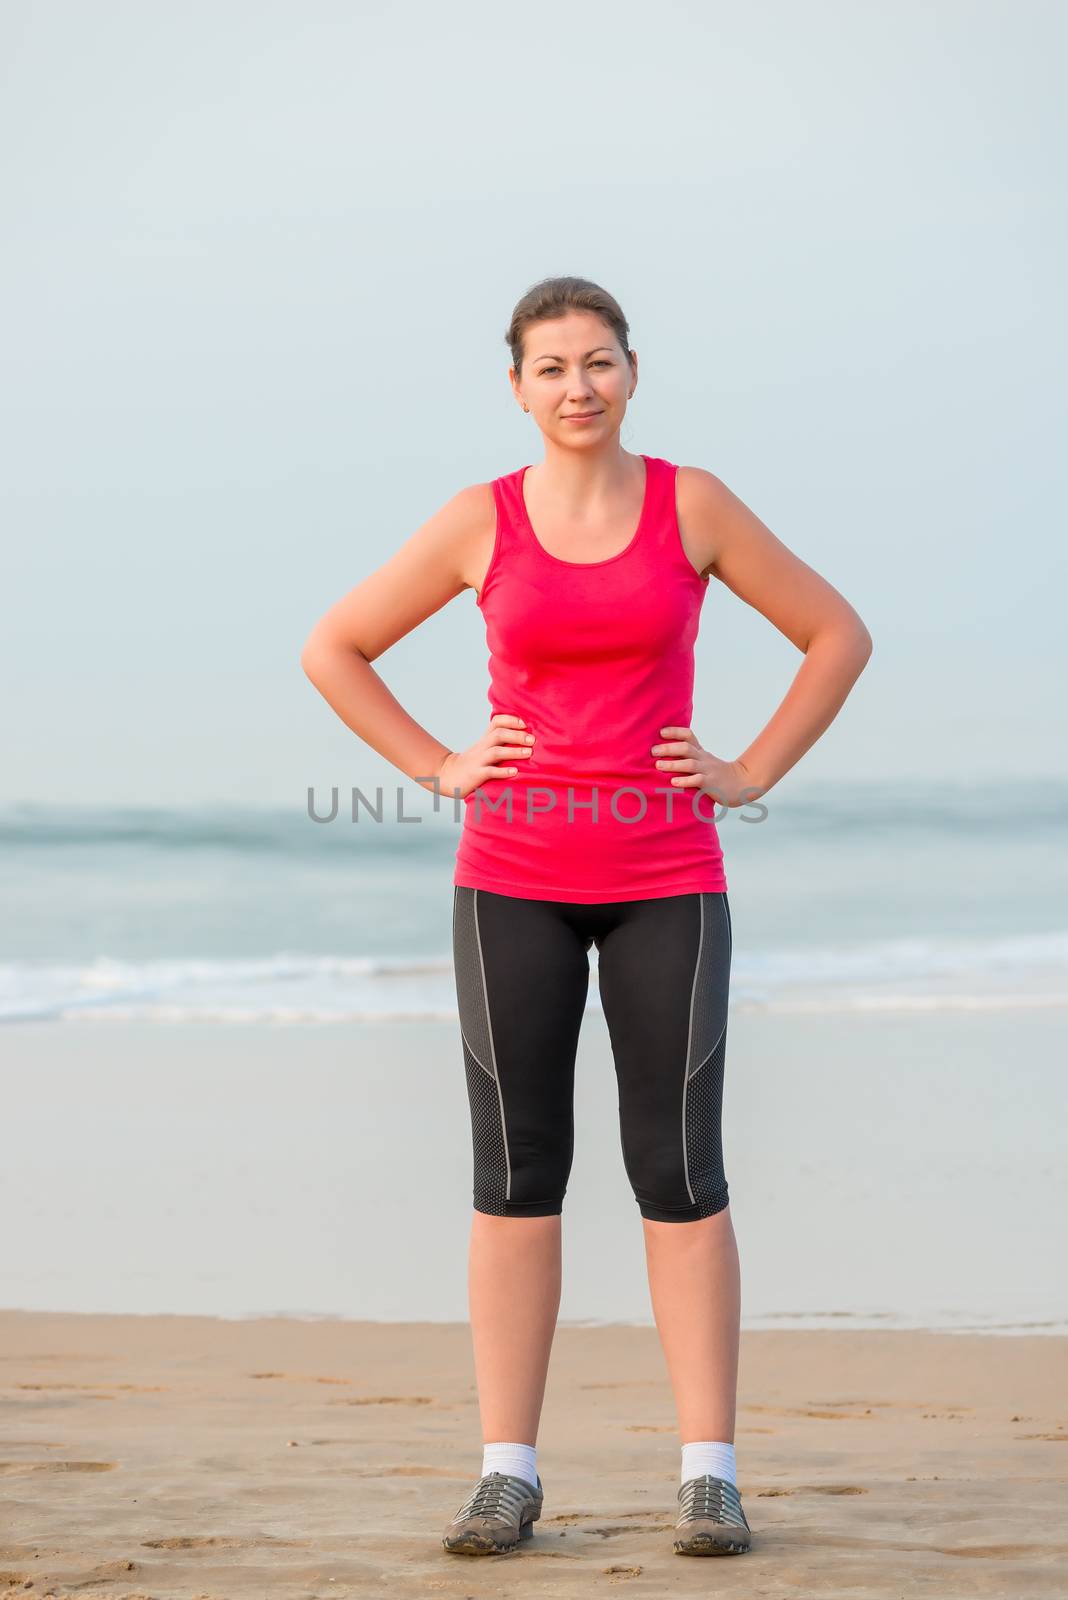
(545, 371)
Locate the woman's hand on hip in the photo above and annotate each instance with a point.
(498, 753)
(688, 766)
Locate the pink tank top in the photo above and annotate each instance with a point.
(597, 656)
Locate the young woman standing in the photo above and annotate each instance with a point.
(589, 820)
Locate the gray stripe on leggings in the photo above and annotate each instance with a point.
(493, 1052)
(689, 1048)
(710, 1053)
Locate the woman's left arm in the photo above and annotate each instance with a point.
(747, 557)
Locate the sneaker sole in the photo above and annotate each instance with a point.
(481, 1544)
(703, 1544)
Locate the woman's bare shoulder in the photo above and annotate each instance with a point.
(699, 500)
(469, 525)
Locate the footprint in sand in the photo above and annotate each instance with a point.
(606, 1530)
(390, 1400)
(33, 1444)
(442, 1472)
(811, 1488)
(222, 1542)
(609, 1532)
(828, 1488)
(405, 1471)
(994, 1552)
(834, 1404)
(98, 1389)
(828, 1413)
(833, 1416)
(359, 1400)
(299, 1377)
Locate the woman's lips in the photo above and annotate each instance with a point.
(577, 416)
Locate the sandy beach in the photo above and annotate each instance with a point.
(206, 1459)
(296, 499)
(221, 1384)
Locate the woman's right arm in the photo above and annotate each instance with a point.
(429, 570)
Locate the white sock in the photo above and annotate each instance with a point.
(709, 1455)
(518, 1459)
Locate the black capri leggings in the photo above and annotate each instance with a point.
(522, 976)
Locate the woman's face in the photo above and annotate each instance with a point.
(573, 365)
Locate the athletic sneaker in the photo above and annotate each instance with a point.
(499, 1511)
(711, 1520)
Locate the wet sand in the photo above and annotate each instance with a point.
(197, 1457)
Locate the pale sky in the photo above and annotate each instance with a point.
(257, 261)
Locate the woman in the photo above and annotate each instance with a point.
(589, 820)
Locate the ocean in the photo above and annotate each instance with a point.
(233, 1080)
(844, 897)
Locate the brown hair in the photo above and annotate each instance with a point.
(552, 297)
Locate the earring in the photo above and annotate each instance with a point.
(526, 408)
